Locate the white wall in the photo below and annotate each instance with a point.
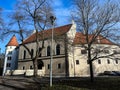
(82, 69)
(13, 61)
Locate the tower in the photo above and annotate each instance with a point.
(11, 54)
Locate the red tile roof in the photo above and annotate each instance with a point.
(47, 33)
(81, 39)
(13, 41)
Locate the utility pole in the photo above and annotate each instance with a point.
(52, 18)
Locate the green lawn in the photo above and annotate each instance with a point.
(100, 83)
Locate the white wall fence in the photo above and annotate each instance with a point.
(24, 72)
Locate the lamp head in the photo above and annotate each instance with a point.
(52, 18)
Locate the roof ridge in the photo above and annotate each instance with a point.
(57, 31)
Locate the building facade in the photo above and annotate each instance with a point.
(69, 55)
(11, 55)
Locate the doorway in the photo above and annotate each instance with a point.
(40, 64)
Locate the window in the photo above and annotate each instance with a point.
(40, 64)
(40, 52)
(97, 50)
(23, 67)
(106, 51)
(99, 61)
(58, 49)
(48, 51)
(77, 62)
(8, 64)
(9, 58)
(31, 67)
(116, 61)
(116, 51)
(83, 51)
(59, 66)
(10, 52)
(48, 66)
(108, 61)
(32, 53)
(24, 56)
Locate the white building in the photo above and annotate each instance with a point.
(69, 56)
(11, 55)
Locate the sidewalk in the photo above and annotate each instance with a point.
(18, 83)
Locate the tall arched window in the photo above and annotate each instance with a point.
(48, 51)
(24, 56)
(58, 49)
(40, 51)
(32, 53)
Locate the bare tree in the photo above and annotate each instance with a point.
(1, 23)
(96, 19)
(31, 15)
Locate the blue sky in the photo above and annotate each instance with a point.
(62, 12)
(7, 4)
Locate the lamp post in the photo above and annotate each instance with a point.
(52, 18)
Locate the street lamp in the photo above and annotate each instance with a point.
(52, 18)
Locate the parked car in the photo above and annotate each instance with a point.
(117, 72)
(110, 73)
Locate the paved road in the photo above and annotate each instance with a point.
(2, 87)
(16, 83)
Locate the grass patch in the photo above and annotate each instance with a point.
(100, 83)
(62, 87)
(81, 83)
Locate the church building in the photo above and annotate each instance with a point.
(69, 55)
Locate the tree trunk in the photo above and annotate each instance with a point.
(90, 65)
(91, 72)
(35, 67)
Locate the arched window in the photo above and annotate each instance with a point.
(48, 51)
(24, 56)
(58, 49)
(40, 64)
(32, 53)
(40, 51)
